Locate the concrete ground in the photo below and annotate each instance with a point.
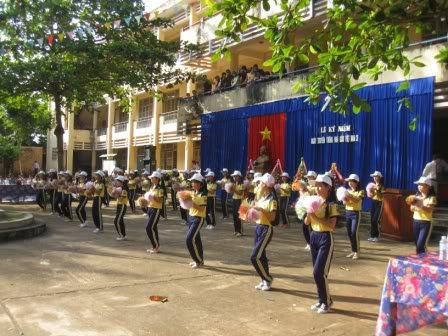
(72, 282)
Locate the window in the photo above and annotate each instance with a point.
(170, 101)
(145, 108)
(197, 151)
(168, 156)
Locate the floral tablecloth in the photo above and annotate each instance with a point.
(415, 294)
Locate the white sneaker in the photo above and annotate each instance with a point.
(370, 239)
(266, 285)
(124, 238)
(96, 230)
(375, 240)
(52, 213)
(212, 227)
(323, 309)
(260, 285)
(119, 238)
(196, 265)
(192, 263)
(153, 250)
(144, 215)
(315, 306)
(350, 255)
(355, 256)
(238, 234)
(307, 247)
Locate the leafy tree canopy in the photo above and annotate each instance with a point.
(357, 38)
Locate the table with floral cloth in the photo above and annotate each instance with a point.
(415, 294)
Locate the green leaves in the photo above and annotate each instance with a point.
(403, 86)
(413, 124)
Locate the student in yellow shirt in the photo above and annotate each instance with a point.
(251, 186)
(211, 196)
(311, 179)
(98, 194)
(306, 229)
(323, 223)
(122, 201)
(285, 195)
(353, 205)
(155, 208)
(196, 219)
(39, 184)
(146, 186)
(238, 195)
(67, 197)
(267, 205)
(82, 199)
(132, 184)
(377, 206)
(422, 207)
(185, 184)
(224, 195)
(175, 180)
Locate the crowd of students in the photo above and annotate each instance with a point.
(258, 198)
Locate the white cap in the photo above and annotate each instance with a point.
(268, 179)
(186, 171)
(197, 177)
(83, 173)
(236, 173)
(208, 170)
(324, 179)
(424, 180)
(163, 172)
(225, 170)
(156, 174)
(145, 172)
(352, 177)
(99, 173)
(120, 178)
(210, 173)
(175, 170)
(67, 172)
(285, 174)
(376, 173)
(41, 172)
(52, 170)
(159, 170)
(118, 169)
(61, 172)
(257, 177)
(251, 171)
(311, 173)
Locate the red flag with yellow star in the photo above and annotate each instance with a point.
(268, 131)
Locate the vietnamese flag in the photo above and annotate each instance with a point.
(267, 130)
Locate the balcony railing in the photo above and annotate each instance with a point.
(121, 127)
(263, 90)
(169, 118)
(203, 32)
(144, 122)
(101, 131)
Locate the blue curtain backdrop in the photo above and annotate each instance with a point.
(384, 141)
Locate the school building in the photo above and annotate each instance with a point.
(168, 131)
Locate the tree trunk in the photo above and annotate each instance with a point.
(59, 132)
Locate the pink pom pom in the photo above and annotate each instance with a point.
(116, 192)
(253, 215)
(341, 194)
(246, 183)
(186, 203)
(312, 203)
(148, 196)
(369, 188)
(175, 186)
(277, 187)
(229, 187)
(90, 185)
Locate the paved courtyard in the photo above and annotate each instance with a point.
(72, 282)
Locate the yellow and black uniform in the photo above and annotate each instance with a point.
(59, 196)
(306, 229)
(154, 212)
(211, 196)
(122, 201)
(108, 185)
(196, 219)
(237, 197)
(224, 196)
(285, 195)
(67, 200)
(39, 186)
(422, 221)
(263, 235)
(82, 202)
(175, 182)
(250, 190)
(353, 217)
(146, 185)
(132, 185)
(185, 184)
(98, 194)
(376, 210)
(322, 246)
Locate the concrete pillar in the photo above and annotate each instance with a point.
(234, 61)
(110, 124)
(70, 140)
(94, 127)
(190, 87)
(132, 150)
(155, 125)
(188, 152)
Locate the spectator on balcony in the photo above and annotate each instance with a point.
(207, 85)
(236, 79)
(216, 84)
(243, 75)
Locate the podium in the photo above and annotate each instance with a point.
(396, 219)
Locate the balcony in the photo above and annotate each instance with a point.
(82, 139)
(168, 128)
(143, 133)
(203, 32)
(120, 127)
(120, 135)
